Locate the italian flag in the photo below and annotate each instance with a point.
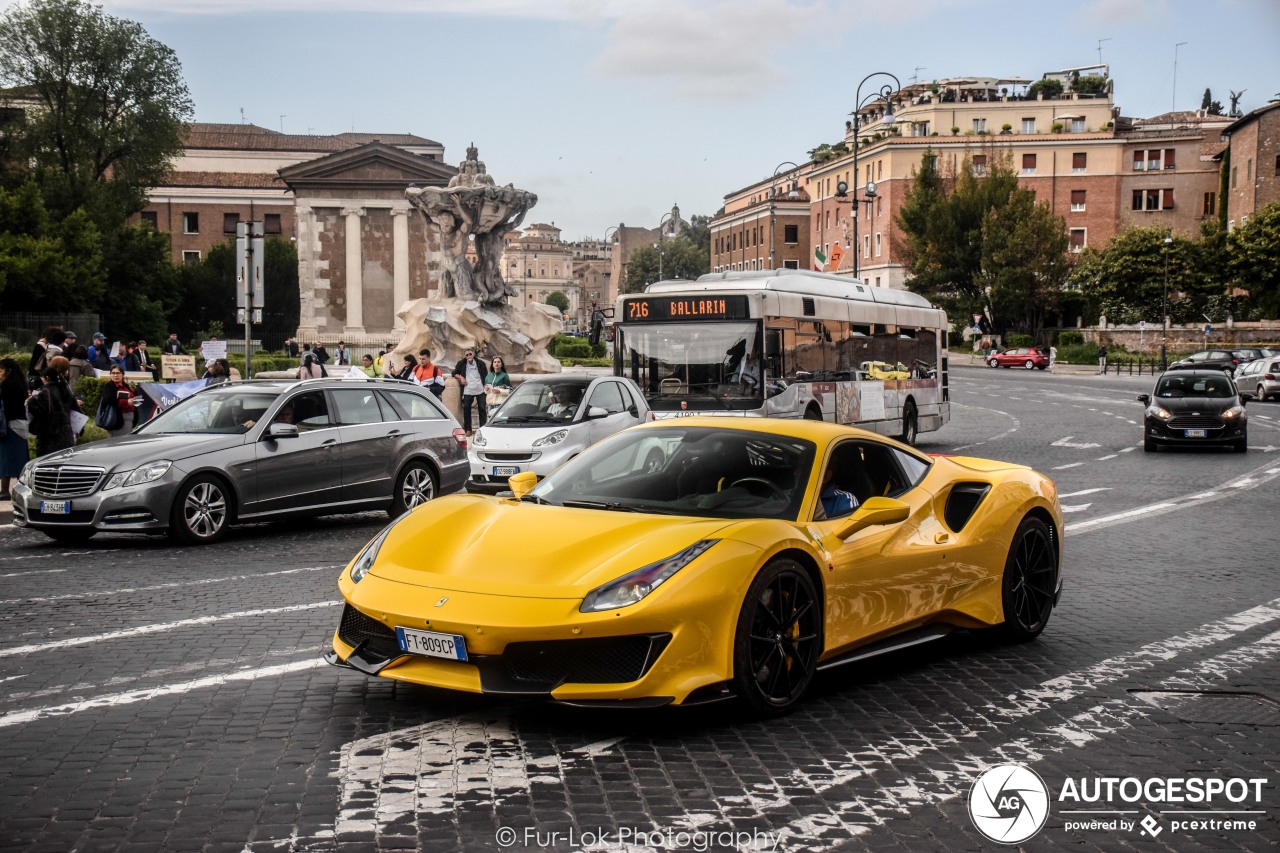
(819, 259)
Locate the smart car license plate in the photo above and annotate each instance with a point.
(1196, 433)
(430, 644)
(505, 470)
(55, 507)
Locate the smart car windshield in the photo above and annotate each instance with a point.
(695, 471)
(220, 410)
(542, 402)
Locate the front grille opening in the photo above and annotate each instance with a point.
(356, 628)
(607, 660)
(65, 481)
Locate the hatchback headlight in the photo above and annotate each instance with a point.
(1159, 412)
(1233, 412)
(368, 556)
(555, 438)
(634, 586)
(138, 476)
(478, 439)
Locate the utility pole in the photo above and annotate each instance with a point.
(250, 293)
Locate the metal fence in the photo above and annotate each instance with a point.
(19, 330)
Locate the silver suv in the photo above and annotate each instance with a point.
(251, 451)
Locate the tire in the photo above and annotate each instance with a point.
(910, 424)
(1030, 579)
(993, 363)
(1149, 446)
(69, 535)
(1241, 445)
(415, 486)
(1262, 394)
(778, 638)
(1029, 364)
(201, 511)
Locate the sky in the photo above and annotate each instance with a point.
(613, 110)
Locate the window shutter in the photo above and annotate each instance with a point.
(1168, 200)
(1077, 196)
(1139, 161)
(1168, 158)
(1078, 160)
(1028, 161)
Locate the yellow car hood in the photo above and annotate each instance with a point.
(470, 543)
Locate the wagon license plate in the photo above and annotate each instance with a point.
(505, 470)
(430, 644)
(1196, 433)
(55, 507)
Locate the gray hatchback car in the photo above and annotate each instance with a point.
(251, 451)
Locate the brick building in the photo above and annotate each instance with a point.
(1253, 168)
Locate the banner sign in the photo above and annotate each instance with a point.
(166, 395)
(177, 366)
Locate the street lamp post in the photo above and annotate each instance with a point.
(661, 237)
(773, 199)
(885, 93)
(1164, 306)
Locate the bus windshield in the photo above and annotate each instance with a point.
(695, 364)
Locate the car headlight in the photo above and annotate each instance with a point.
(1159, 412)
(365, 559)
(634, 586)
(478, 439)
(138, 476)
(555, 438)
(1233, 412)
(24, 476)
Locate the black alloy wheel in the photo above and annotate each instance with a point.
(1149, 446)
(1030, 579)
(69, 535)
(910, 424)
(415, 486)
(778, 638)
(201, 511)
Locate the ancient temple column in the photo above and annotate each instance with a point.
(400, 263)
(355, 273)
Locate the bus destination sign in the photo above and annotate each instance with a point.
(651, 308)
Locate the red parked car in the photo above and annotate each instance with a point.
(1027, 357)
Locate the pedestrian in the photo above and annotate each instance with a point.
(46, 347)
(321, 354)
(49, 413)
(291, 347)
(173, 346)
(13, 433)
(986, 348)
(144, 358)
(214, 373)
(427, 374)
(118, 395)
(79, 365)
(341, 356)
(366, 365)
(310, 367)
(1053, 357)
(497, 384)
(99, 348)
(470, 374)
(1102, 359)
(406, 372)
(382, 365)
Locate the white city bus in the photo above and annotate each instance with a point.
(830, 347)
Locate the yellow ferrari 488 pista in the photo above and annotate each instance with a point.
(688, 560)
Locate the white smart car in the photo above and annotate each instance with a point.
(547, 421)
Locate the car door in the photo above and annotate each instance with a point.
(884, 575)
(370, 431)
(607, 395)
(304, 471)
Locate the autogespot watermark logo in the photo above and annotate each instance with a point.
(1009, 803)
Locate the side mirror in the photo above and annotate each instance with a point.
(595, 413)
(1245, 397)
(873, 512)
(772, 343)
(282, 431)
(1144, 399)
(521, 484)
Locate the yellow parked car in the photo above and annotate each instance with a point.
(692, 560)
(885, 370)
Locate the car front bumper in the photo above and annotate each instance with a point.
(1161, 433)
(133, 509)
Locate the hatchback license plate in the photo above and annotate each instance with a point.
(505, 470)
(430, 644)
(1197, 433)
(55, 507)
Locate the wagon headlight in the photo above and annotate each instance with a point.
(1233, 412)
(634, 586)
(138, 476)
(555, 438)
(478, 439)
(368, 555)
(24, 476)
(1159, 412)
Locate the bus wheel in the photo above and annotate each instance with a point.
(910, 424)
(813, 413)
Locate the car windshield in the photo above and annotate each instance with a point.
(221, 410)
(542, 402)
(695, 365)
(695, 471)
(1194, 386)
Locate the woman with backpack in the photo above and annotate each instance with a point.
(49, 413)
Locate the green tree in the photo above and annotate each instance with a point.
(1090, 84)
(1253, 259)
(699, 233)
(42, 256)
(1207, 103)
(680, 258)
(1048, 88)
(208, 291)
(1125, 280)
(111, 105)
(559, 300)
(1024, 261)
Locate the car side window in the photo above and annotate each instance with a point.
(311, 411)
(608, 396)
(866, 470)
(356, 406)
(913, 467)
(414, 407)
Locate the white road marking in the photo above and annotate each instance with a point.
(1068, 465)
(1109, 456)
(12, 678)
(1128, 449)
(1120, 516)
(1076, 508)
(170, 585)
(1067, 442)
(33, 572)
(1085, 492)
(113, 700)
(140, 630)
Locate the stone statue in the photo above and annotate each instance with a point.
(470, 309)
